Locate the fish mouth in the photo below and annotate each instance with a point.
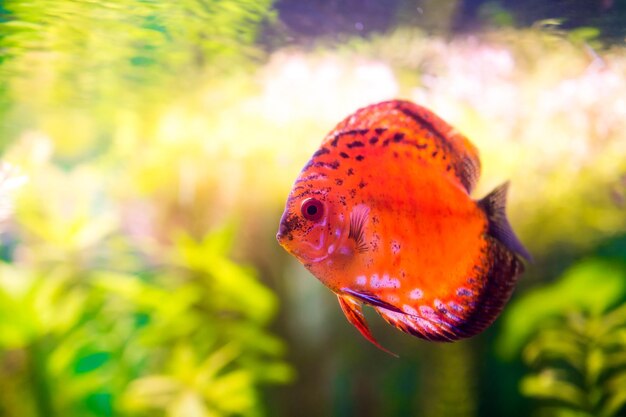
(304, 251)
(282, 233)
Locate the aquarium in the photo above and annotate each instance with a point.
(148, 150)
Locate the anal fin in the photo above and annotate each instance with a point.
(354, 313)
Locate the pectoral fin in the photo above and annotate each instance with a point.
(352, 309)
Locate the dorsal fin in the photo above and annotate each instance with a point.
(454, 152)
(494, 206)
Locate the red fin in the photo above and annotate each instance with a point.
(352, 309)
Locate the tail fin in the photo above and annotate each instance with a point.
(494, 206)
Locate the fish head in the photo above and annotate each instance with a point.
(311, 227)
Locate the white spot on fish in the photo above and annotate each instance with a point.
(453, 317)
(361, 280)
(374, 281)
(409, 310)
(331, 248)
(427, 311)
(384, 282)
(425, 325)
(456, 307)
(439, 305)
(464, 292)
(391, 282)
(395, 247)
(399, 317)
(416, 294)
(344, 250)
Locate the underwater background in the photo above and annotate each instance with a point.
(147, 149)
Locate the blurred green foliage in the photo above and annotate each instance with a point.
(592, 285)
(185, 337)
(140, 274)
(571, 334)
(578, 364)
(136, 55)
(98, 316)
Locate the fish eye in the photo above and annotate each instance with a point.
(312, 209)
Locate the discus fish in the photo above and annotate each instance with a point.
(382, 215)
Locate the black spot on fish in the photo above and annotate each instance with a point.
(353, 192)
(331, 165)
(374, 140)
(434, 154)
(342, 200)
(448, 167)
(322, 151)
(355, 144)
(350, 171)
(425, 122)
(334, 141)
(362, 184)
(385, 142)
(398, 137)
(324, 190)
(380, 130)
(339, 181)
(292, 223)
(313, 176)
(359, 157)
(344, 155)
(296, 196)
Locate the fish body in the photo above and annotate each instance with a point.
(382, 215)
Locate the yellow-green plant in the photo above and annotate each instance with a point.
(579, 365)
(185, 337)
(572, 336)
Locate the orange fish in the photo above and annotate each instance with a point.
(382, 215)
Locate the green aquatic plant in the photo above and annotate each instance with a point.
(579, 365)
(94, 322)
(572, 337)
(80, 56)
(187, 338)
